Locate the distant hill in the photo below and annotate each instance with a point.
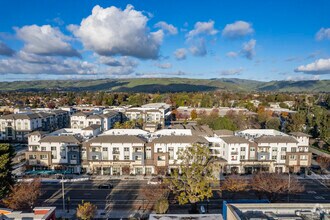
(152, 85)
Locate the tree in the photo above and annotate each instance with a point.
(86, 210)
(193, 114)
(271, 185)
(155, 192)
(234, 184)
(193, 183)
(162, 206)
(273, 123)
(296, 121)
(324, 162)
(6, 180)
(23, 195)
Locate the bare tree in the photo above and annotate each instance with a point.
(234, 184)
(23, 195)
(272, 185)
(154, 193)
(324, 162)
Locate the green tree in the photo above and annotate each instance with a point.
(161, 206)
(86, 211)
(6, 180)
(193, 114)
(296, 121)
(193, 183)
(273, 123)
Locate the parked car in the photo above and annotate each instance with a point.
(202, 209)
(155, 181)
(105, 186)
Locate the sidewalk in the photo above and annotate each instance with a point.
(102, 214)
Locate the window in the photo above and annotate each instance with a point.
(233, 158)
(126, 149)
(73, 156)
(171, 153)
(43, 156)
(252, 149)
(104, 149)
(242, 157)
(293, 149)
(274, 149)
(126, 157)
(159, 150)
(303, 157)
(32, 156)
(292, 157)
(161, 158)
(115, 157)
(242, 148)
(274, 157)
(148, 153)
(138, 157)
(283, 149)
(43, 148)
(283, 157)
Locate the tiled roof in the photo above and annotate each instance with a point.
(180, 139)
(61, 139)
(300, 134)
(276, 139)
(92, 127)
(116, 139)
(235, 140)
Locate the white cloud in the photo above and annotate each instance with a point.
(318, 67)
(198, 48)
(120, 61)
(237, 29)
(248, 49)
(112, 31)
(200, 28)
(5, 50)
(167, 27)
(323, 34)
(180, 54)
(164, 65)
(58, 67)
(231, 54)
(231, 72)
(45, 40)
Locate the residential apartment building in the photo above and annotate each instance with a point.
(135, 151)
(16, 127)
(156, 113)
(82, 120)
(114, 155)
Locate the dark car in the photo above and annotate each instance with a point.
(105, 186)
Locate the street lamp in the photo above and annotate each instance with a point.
(63, 193)
(289, 187)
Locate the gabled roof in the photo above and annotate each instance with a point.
(224, 132)
(235, 140)
(92, 127)
(21, 116)
(117, 139)
(275, 139)
(40, 133)
(180, 139)
(61, 139)
(81, 114)
(300, 134)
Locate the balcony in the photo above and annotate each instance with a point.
(115, 152)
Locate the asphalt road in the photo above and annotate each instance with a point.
(126, 195)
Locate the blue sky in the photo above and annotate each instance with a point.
(89, 39)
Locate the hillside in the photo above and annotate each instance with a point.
(166, 85)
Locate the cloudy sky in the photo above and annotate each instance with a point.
(91, 39)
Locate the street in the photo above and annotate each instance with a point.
(126, 195)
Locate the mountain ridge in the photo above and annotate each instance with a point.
(152, 85)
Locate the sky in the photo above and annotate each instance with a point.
(91, 39)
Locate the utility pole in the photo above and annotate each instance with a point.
(289, 187)
(63, 193)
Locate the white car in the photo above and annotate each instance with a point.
(155, 181)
